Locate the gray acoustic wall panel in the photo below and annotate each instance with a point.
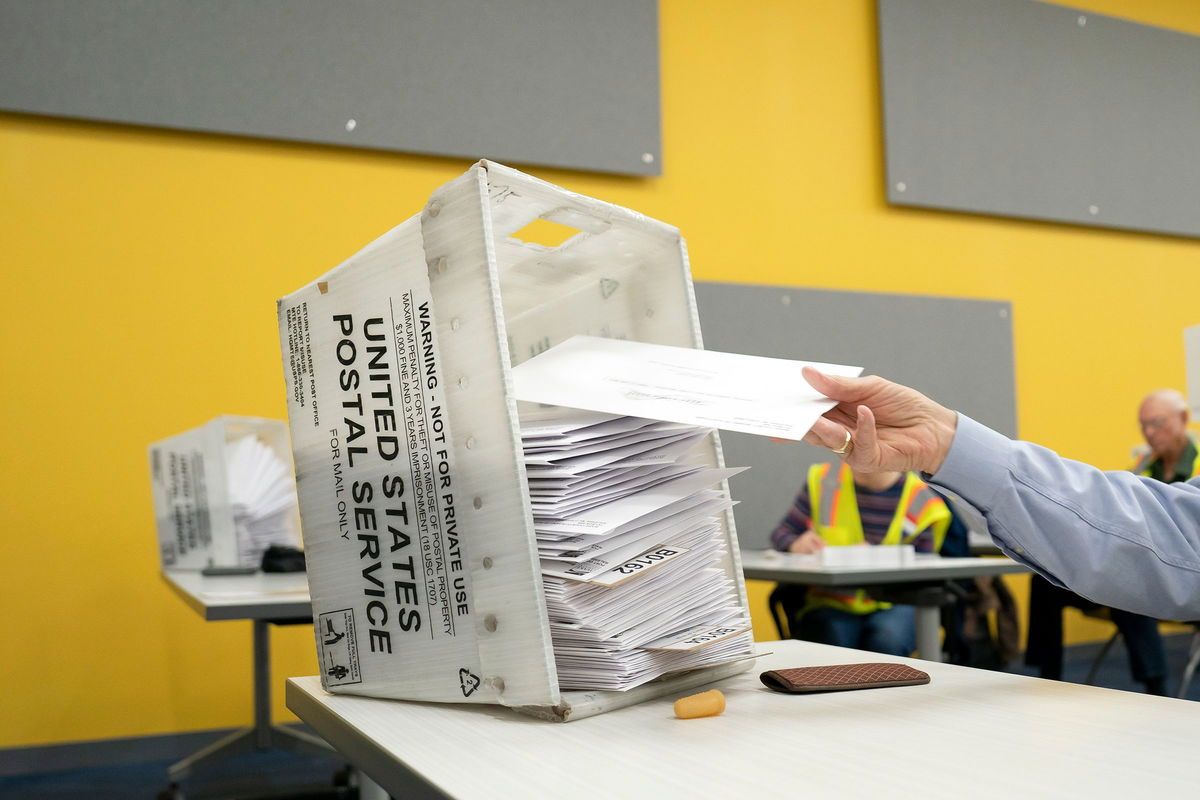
(1028, 109)
(566, 83)
(958, 352)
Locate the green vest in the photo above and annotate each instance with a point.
(1142, 467)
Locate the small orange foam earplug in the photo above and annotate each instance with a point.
(705, 704)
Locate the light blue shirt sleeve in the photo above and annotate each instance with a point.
(1113, 537)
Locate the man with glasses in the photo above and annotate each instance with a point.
(1169, 456)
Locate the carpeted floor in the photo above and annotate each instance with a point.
(1114, 671)
(268, 774)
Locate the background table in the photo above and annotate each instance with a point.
(771, 565)
(980, 544)
(968, 733)
(265, 599)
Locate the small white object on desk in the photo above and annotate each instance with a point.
(877, 555)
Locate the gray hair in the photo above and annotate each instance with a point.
(1171, 397)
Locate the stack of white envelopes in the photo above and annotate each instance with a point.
(628, 537)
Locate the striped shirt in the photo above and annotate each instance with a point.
(875, 509)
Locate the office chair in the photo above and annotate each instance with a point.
(1192, 662)
(1100, 613)
(785, 601)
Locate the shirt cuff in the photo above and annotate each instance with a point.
(977, 466)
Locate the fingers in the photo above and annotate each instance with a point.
(807, 543)
(841, 416)
(834, 387)
(826, 433)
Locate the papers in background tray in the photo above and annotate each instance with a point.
(751, 394)
(262, 495)
(628, 534)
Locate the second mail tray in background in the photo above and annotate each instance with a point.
(223, 493)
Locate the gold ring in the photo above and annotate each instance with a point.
(846, 447)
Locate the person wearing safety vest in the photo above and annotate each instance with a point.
(838, 507)
(1170, 455)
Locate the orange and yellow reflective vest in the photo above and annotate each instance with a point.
(835, 518)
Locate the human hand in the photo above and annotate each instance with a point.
(807, 542)
(892, 427)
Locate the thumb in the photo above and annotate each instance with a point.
(866, 455)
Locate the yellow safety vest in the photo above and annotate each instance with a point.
(835, 518)
(1142, 467)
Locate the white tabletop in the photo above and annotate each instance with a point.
(968, 733)
(263, 595)
(771, 565)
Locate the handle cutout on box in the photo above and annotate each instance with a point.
(546, 233)
(552, 229)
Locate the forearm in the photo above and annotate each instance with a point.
(794, 524)
(782, 538)
(1118, 539)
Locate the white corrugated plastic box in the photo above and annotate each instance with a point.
(201, 519)
(418, 532)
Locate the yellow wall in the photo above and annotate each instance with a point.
(142, 267)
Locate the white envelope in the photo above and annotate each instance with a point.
(611, 517)
(751, 394)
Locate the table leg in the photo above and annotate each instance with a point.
(929, 632)
(262, 735)
(267, 735)
(299, 741)
(262, 684)
(241, 741)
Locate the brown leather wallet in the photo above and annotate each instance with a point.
(840, 677)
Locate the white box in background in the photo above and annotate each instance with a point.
(422, 560)
(209, 486)
(1191, 352)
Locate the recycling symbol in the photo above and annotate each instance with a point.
(467, 682)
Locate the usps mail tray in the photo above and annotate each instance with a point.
(422, 560)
